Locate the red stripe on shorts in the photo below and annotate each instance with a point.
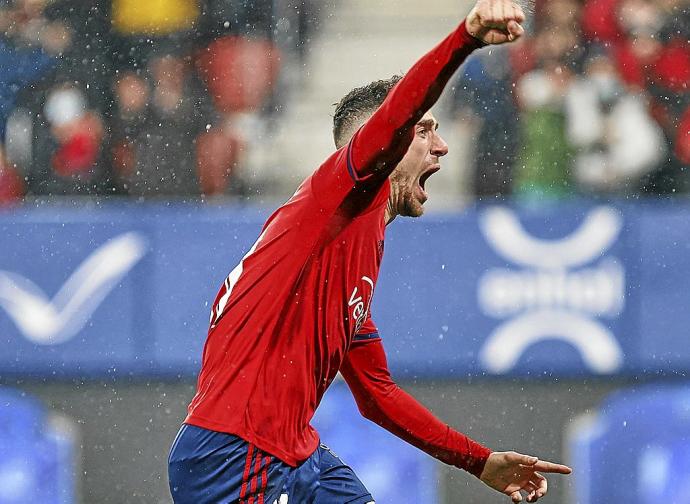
(255, 478)
(264, 479)
(247, 467)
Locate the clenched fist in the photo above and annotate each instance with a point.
(495, 21)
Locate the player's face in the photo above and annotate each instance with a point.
(421, 161)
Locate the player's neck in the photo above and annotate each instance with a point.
(390, 213)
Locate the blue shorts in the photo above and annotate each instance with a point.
(208, 467)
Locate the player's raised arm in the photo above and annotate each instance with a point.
(385, 137)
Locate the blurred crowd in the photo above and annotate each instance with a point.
(140, 98)
(158, 97)
(594, 101)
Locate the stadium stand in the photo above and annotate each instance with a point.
(593, 102)
(38, 461)
(650, 428)
(598, 107)
(119, 99)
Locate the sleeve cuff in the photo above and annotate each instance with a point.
(475, 464)
(470, 455)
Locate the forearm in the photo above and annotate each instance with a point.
(385, 137)
(401, 414)
(383, 402)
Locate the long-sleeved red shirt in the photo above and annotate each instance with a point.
(286, 318)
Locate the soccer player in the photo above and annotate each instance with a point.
(295, 310)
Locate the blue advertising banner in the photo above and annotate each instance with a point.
(498, 291)
(576, 289)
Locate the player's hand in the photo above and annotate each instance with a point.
(495, 21)
(514, 474)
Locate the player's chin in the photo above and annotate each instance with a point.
(413, 208)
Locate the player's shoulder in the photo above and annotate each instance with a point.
(332, 181)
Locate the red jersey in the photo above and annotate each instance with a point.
(286, 316)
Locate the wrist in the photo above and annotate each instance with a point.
(468, 38)
(469, 455)
(480, 455)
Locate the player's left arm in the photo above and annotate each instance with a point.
(382, 401)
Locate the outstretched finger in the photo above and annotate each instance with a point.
(519, 458)
(550, 467)
(516, 496)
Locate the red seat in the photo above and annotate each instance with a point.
(239, 72)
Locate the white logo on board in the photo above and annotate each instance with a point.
(554, 293)
(51, 321)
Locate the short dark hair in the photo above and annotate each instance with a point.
(357, 104)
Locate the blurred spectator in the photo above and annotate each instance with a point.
(609, 114)
(617, 140)
(67, 150)
(159, 116)
(239, 65)
(239, 72)
(11, 184)
(87, 60)
(600, 21)
(483, 97)
(668, 81)
(562, 14)
(108, 96)
(649, 42)
(522, 147)
(78, 132)
(220, 154)
(637, 51)
(29, 44)
(544, 163)
(25, 23)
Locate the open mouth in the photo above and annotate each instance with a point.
(425, 176)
